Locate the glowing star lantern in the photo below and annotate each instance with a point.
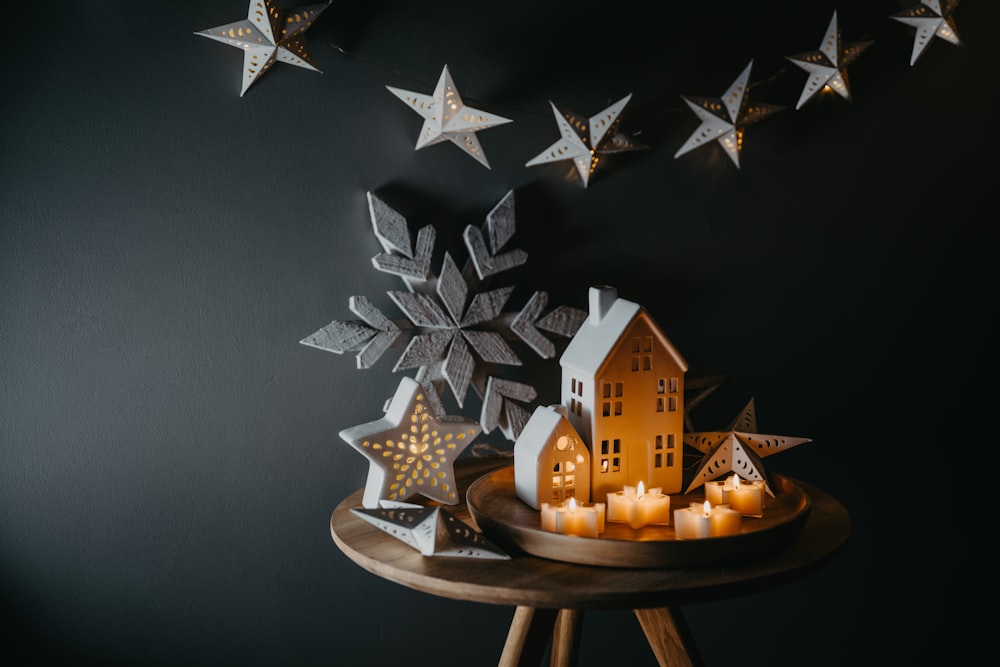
(931, 18)
(268, 35)
(637, 507)
(433, 531)
(585, 140)
(412, 449)
(738, 449)
(725, 119)
(827, 66)
(573, 518)
(446, 117)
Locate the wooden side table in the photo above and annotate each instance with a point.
(551, 596)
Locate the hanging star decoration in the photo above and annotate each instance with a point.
(738, 449)
(431, 530)
(827, 65)
(725, 119)
(931, 18)
(412, 449)
(586, 140)
(447, 118)
(269, 35)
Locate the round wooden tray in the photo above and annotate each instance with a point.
(513, 525)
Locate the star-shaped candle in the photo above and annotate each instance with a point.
(431, 530)
(738, 449)
(447, 118)
(268, 35)
(412, 449)
(586, 140)
(724, 119)
(931, 18)
(827, 65)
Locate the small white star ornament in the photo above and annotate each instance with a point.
(433, 531)
(412, 449)
(931, 18)
(447, 118)
(738, 449)
(585, 140)
(724, 119)
(269, 35)
(827, 65)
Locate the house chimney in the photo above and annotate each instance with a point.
(601, 299)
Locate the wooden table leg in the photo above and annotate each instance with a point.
(528, 637)
(669, 637)
(566, 638)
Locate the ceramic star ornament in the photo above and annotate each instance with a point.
(827, 65)
(447, 118)
(725, 119)
(268, 35)
(431, 530)
(931, 18)
(412, 449)
(585, 140)
(738, 449)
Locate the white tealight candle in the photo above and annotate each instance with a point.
(573, 518)
(637, 507)
(705, 520)
(747, 498)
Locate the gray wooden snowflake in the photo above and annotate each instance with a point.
(455, 331)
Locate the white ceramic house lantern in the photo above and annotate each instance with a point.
(551, 460)
(623, 390)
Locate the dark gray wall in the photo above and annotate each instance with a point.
(170, 456)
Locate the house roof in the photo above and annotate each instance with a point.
(540, 427)
(598, 336)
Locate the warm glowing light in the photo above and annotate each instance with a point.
(707, 507)
(639, 490)
(736, 482)
(572, 504)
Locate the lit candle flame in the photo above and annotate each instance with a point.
(707, 507)
(736, 481)
(572, 504)
(639, 490)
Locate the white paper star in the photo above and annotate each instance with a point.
(931, 18)
(446, 117)
(269, 35)
(725, 119)
(433, 531)
(412, 449)
(827, 66)
(739, 449)
(585, 140)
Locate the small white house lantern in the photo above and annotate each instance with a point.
(551, 460)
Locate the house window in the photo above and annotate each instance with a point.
(673, 385)
(604, 447)
(659, 441)
(670, 440)
(572, 405)
(606, 389)
(661, 386)
(606, 408)
(616, 464)
(647, 362)
(604, 465)
(670, 459)
(635, 364)
(635, 345)
(659, 404)
(658, 460)
(647, 344)
(673, 404)
(618, 408)
(618, 388)
(618, 446)
(573, 385)
(579, 407)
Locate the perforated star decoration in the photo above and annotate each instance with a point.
(431, 530)
(269, 35)
(724, 119)
(931, 18)
(738, 449)
(827, 66)
(585, 140)
(446, 117)
(412, 449)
